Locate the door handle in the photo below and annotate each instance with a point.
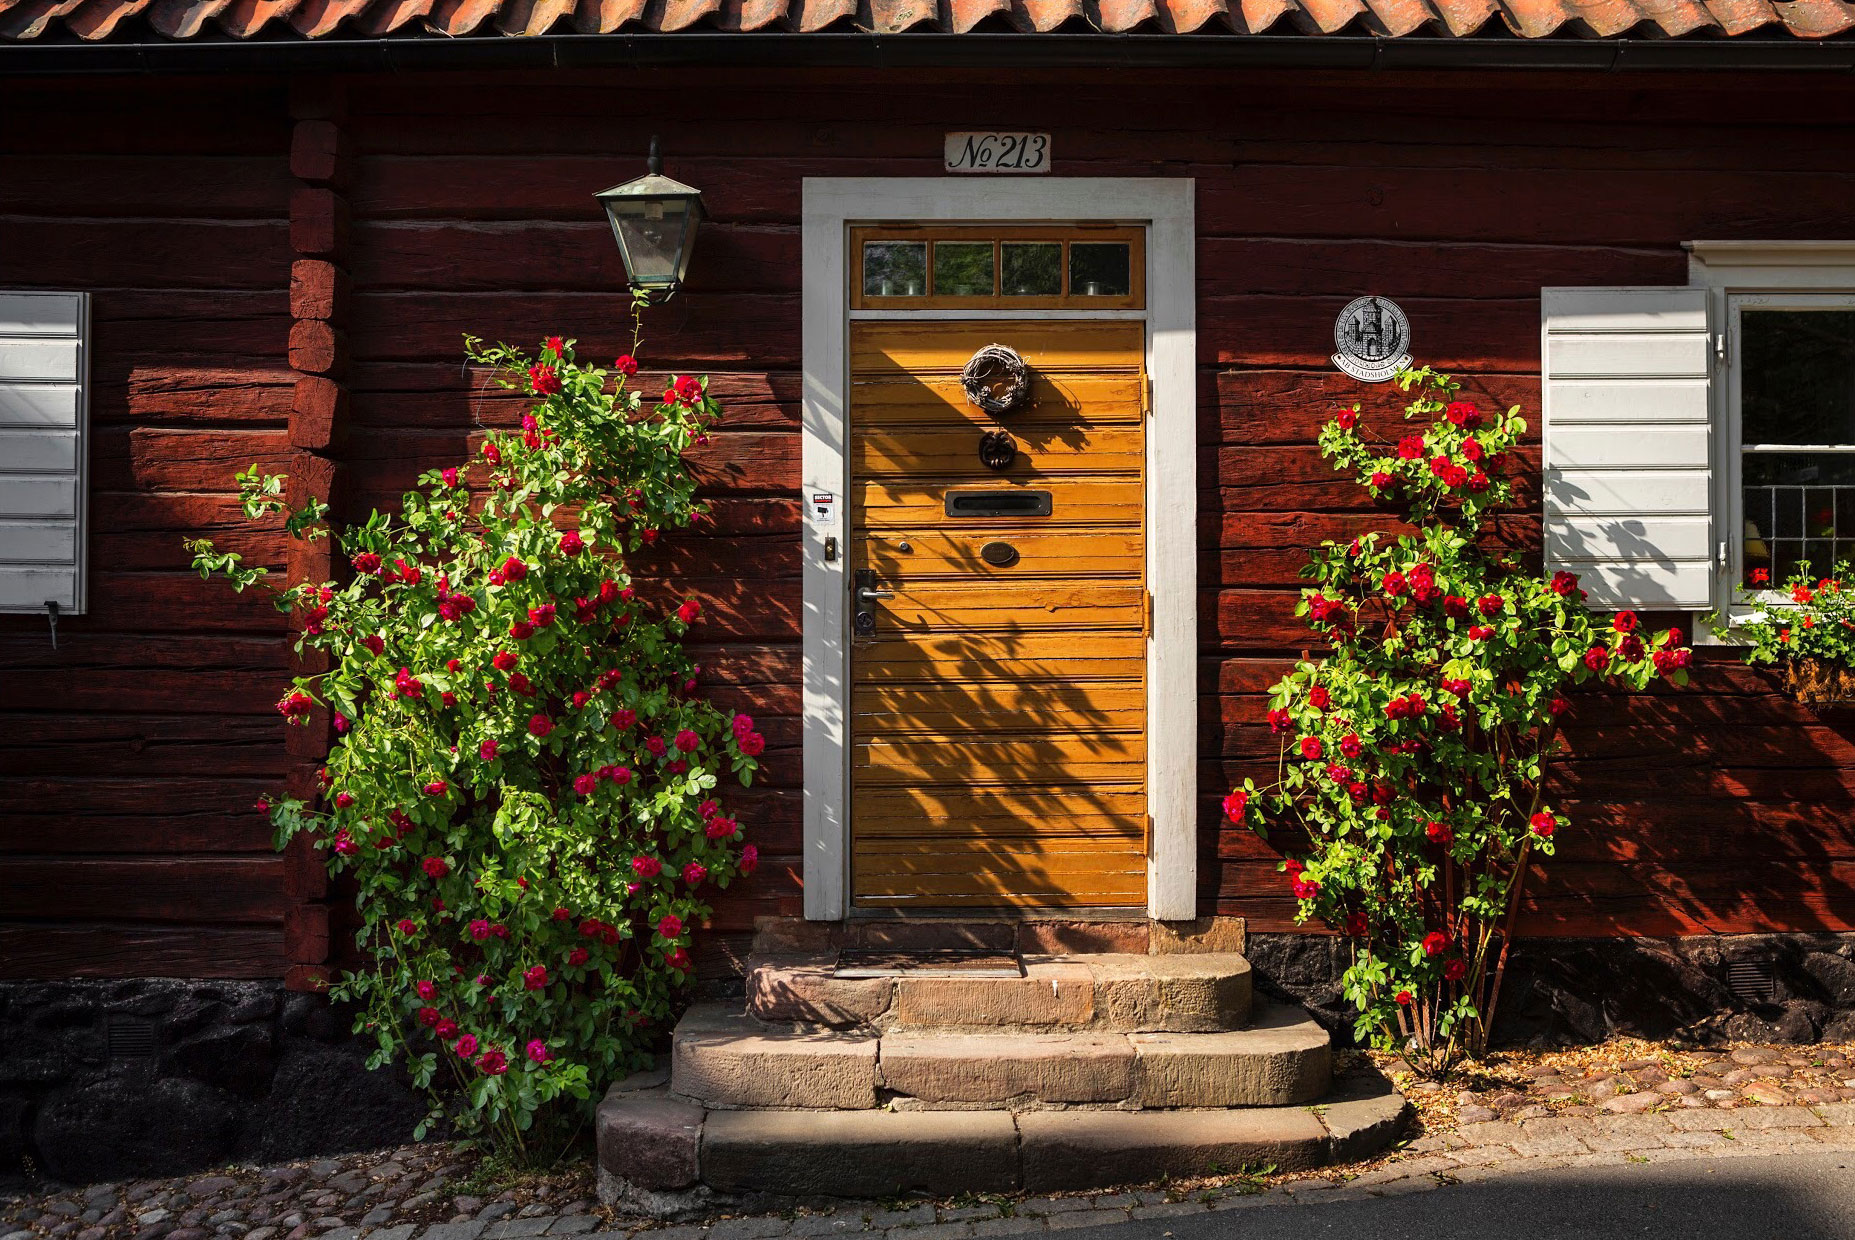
(863, 616)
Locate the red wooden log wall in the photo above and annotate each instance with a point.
(135, 749)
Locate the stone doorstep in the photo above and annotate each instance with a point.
(647, 1141)
(726, 1060)
(1045, 935)
(1176, 993)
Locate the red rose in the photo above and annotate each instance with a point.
(1236, 805)
(571, 543)
(296, 706)
(1480, 632)
(535, 978)
(1462, 413)
(505, 660)
(1631, 648)
(521, 630)
(678, 960)
(1319, 698)
(1380, 480)
(1438, 832)
(542, 616)
(656, 746)
(537, 1051)
(1311, 748)
(1625, 622)
(1558, 706)
(436, 788)
(1490, 605)
(1357, 924)
(445, 1029)
(1435, 943)
(694, 873)
(449, 475)
(407, 927)
(1305, 888)
(1410, 447)
(366, 562)
(719, 828)
(479, 929)
(687, 612)
(626, 365)
(750, 859)
(578, 956)
(1347, 419)
(687, 741)
(1455, 970)
(492, 453)
(670, 926)
(752, 744)
(584, 784)
(1404, 998)
(435, 867)
(543, 380)
(646, 867)
(1350, 745)
(492, 1063)
(487, 751)
(1394, 583)
(428, 1016)
(1543, 825)
(1597, 658)
(1563, 583)
(374, 643)
(540, 725)
(513, 569)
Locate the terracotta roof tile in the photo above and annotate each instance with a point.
(158, 20)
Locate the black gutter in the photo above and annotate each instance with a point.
(1000, 50)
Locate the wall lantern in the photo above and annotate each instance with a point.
(654, 219)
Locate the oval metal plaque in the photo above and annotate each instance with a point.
(999, 554)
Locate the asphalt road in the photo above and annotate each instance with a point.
(1776, 1197)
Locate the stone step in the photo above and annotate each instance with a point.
(1183, 993)
(665, 1154)
(726, 1059)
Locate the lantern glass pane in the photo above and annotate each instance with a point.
(1033, 268)
(894, 268)
(652, 236)
(963, 269)
(1099, 269)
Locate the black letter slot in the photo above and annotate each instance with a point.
(998, 503)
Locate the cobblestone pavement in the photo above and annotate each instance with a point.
(423, 1192)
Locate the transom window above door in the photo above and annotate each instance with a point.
(1060, 267)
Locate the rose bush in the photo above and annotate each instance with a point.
(1414, 752)
(522, 783)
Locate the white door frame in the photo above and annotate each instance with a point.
(1165, 207)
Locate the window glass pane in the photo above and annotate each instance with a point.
(1798, 506)
(895, 268)
(963, 269)
(1099, 269)
(1033, 268)
(1798, 376)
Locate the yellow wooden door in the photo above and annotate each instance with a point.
(999, 711)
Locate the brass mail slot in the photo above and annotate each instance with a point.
(998, 503)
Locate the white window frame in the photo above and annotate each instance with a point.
(1801, 275)
(1165, 207)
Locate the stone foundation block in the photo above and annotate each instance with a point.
(1178, 993)
(1284, 1060)
(809, 992)
(730, 1060)
(995, 1069)
(1089, 1149)
(1050, 994)
(650, 1138)
(860, 1154)
(1202, 934)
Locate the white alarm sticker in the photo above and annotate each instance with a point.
(824, 508)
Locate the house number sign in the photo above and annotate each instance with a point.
(1006, 151)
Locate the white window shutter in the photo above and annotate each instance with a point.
(1626, 431)
(44, 453)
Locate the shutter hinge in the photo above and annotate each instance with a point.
(1146, 397)
(1146, 623)
(1720, 351)
(1146, 845)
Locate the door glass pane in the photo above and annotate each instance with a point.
(895, 268)
(1033, 268)
(1099, 269)
(963, 269)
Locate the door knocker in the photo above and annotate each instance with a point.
(996, 379)
(997, 449)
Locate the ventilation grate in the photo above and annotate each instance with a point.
(130, 1038)
(1755, 981)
